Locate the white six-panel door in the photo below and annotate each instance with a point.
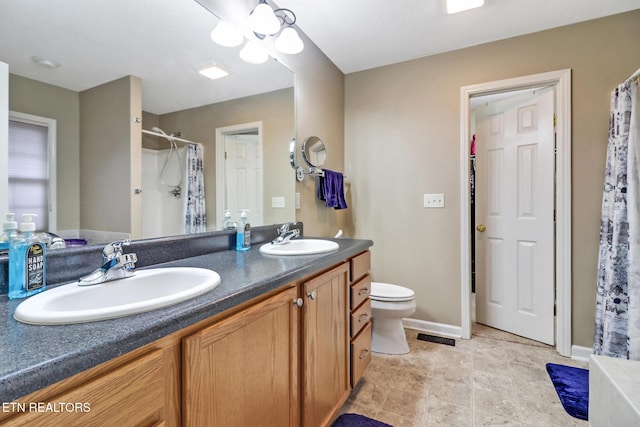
(514, 215)
(243, 168)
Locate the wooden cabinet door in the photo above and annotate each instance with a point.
(325, 356)
(243, 370)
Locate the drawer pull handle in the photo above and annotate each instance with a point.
(364, 353)
(298, 302)
(363, 291)
(312, 295)
(363, 317)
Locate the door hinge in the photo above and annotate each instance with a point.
(554, 216)
(226, 155)
(555, 120)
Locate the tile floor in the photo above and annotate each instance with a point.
(494, 378)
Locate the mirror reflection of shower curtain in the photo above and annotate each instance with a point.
(195, 215)
(617, 326)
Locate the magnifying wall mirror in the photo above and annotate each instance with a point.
(314, 152)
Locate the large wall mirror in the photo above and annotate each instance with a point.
(104, 70)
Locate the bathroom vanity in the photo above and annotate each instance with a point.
(281, 341)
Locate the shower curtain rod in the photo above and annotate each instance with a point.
(169, 137)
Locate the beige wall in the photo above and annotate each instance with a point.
(107, 153)
(402, 138)
(275, 111)
(44, 100)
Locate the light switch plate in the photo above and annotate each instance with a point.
(297, 200)
(434, 200)
(277, 202)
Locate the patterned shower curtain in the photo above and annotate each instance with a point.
(617, 328)
(195, 218)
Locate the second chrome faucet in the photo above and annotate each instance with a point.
(284, 234)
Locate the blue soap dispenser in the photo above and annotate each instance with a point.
(9, 232)
(27, 266)
(243, 233)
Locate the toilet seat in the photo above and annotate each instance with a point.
(389, 292)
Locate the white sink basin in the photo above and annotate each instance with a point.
(300, 247)
(147, 290)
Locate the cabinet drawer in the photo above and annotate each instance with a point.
(360, 265)
(360, 353)
(360, 317)
(132, 394)
(360, 291)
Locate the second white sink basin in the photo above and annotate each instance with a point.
(147, 290)
(300, 247)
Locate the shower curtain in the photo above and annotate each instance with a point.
(195, 218)
(617, 328)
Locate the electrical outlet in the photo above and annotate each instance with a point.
(277, 202)
(434, 200)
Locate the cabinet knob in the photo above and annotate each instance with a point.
(364, 353)
(312, 295)
(298, 302)
(363, 317)
(481, 228)
(363, 291)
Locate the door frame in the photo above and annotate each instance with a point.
(562, 81)
(221, 185)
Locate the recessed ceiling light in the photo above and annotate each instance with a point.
(455, 6)
(47, 63)
(213, 72)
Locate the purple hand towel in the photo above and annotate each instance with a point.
(334, 189)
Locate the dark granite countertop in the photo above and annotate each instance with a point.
(33, 357)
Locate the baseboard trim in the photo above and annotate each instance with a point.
(433, 328)
(581, 353)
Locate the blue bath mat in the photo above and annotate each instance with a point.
(572, 386)
(356, 420)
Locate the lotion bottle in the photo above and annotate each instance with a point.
(27, 263)
(243, 233)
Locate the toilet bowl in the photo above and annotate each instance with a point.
(389, 305)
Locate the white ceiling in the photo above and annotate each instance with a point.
(361, 34)
(164, 41)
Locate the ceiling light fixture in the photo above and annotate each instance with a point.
(455, 6)
(265, 21)
(213, 72)
(226, 35)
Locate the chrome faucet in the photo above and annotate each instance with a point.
(115, 265)
(284, 234)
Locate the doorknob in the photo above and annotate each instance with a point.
(481, 228)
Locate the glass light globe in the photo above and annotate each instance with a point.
(289, 41)
(263, 20)
(226, 35)
(253, 53)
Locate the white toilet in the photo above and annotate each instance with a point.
(389, 305)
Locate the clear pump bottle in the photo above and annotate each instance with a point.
(9, 232)
(27, 263)
(229, 224)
